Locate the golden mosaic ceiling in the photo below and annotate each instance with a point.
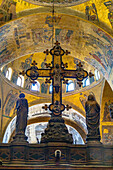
(77, 28)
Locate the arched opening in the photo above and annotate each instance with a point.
(35, 86)
(86, 82)
(50, 88)
(9, 73)
(20, 81)
(97, 75)
(70, 86)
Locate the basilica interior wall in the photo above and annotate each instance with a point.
(87, 36)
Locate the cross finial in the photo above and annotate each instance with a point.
(45, 107)
(68, 107)
(46, 52)
(67, 52)
(34, 63)
(57, 43)
(65, 81)
(22, 73)
(79, 64)
(47, 81)
(65, 65)
(48, 65)
(79, 83)
(90, 74)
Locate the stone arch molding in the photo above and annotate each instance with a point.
(83, 39)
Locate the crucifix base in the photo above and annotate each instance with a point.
(20, 138)
(56, 131)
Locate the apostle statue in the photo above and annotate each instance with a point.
(92, 109)
(22, 114)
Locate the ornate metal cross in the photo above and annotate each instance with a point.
(57, 73)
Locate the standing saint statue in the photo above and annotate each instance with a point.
(92, 109)
(22, 114)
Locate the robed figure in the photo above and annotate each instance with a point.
(92, 109)
(22, 114)
(21, 119)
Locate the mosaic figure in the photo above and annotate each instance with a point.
(106, 113)
(44, 88)
(9, 102)
(43, 66)
(91, 12)
(107, 135)
(27, 83)
(7, 11)
(50, 20)
(109, 5)
(14, 76)
(25, 65)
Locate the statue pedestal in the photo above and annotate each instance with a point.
(20, 138)
(19, 148)
(93, 139)
(94, 152)
(56, 131)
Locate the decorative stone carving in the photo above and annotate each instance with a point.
(56, 131)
